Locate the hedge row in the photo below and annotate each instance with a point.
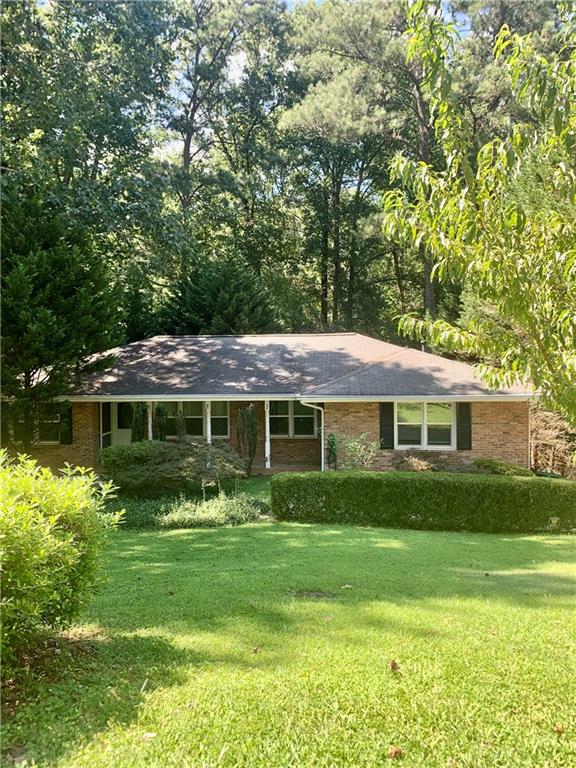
(430, 501)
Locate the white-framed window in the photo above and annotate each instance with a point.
(425, 425)
(193, 412)
(195, 416)
(47, 426)
(219, 419)
(289, 418)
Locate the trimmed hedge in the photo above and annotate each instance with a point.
(429, 501)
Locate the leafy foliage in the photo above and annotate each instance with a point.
(425, 500)
(218, 299)
(139, 422)
(152, 467)
(354, 452)
(57, 305)
(53, 530)
(504, 223)
(213, 513)
(497, 467)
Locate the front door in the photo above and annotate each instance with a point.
(121, 423)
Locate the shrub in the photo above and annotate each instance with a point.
(421, 461)
(428, 500)
(247, 434)
(153, 467)
(52, 531)
(497, 467)
(139, 422)
(159, 421)
(353, 452)
(214, 513)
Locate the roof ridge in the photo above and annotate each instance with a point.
(361, 369)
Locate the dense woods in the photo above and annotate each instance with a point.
(220, 166)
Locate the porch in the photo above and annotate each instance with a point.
(289, 433)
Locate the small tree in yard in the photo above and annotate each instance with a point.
(159, 422)
(247, 434)
(139, 422)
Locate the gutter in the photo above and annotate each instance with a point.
(322, 437)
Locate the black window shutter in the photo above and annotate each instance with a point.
(387, 425)
(464, 426)
(66, 437)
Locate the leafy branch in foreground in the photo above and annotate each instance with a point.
(502, 222)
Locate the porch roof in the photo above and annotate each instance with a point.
(307, 366)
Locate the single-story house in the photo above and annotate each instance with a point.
(304, 387)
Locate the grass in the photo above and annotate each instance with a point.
(215, 648)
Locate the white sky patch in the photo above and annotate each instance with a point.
(237, 67)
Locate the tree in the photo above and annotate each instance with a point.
(505, 224)
(247, 434)
(57, 307)
(218, 298)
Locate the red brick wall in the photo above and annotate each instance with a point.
(84, 449)
(301, 451)
(499, 431)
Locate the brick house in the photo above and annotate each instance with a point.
(304, 387)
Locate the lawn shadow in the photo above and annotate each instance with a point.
(91, 681)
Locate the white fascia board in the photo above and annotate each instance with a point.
(177, 398)
(420, 398)
(298, 396)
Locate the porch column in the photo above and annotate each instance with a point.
(267, 461)
(150, 409)
(208, 423)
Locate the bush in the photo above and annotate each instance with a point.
(185, 512)
(52, 531)
(497, 467)
(428, 500)
(214, 513)
(421, 461)
(352, 452)
(153, 467)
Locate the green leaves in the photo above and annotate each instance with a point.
(509, 228)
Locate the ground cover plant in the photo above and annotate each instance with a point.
(446, 501)
(189, 512)
(276, 645)
(246, 499)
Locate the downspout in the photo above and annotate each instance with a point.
(321, 409)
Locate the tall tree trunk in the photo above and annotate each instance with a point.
(28, 415)
(351, 292)
(424, 139)
(336, 245)
(324, 263)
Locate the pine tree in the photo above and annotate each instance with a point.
(57, 307)
(218, 298)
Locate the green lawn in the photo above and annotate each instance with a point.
(201, 651)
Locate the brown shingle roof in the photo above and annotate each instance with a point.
(316, 365)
